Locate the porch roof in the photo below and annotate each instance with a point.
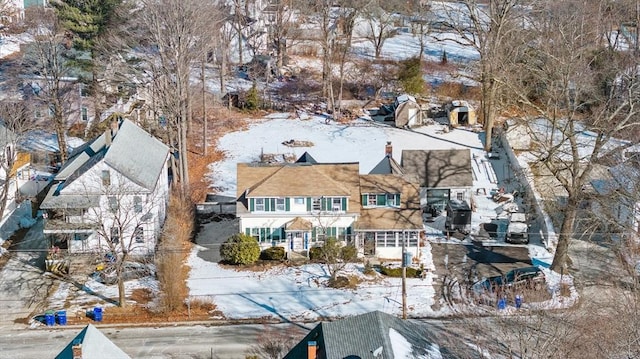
(298, 224)
(55, 200)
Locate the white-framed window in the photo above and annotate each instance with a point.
(115, 235)
(336, 204)
(316, 204)
(460, 196)
(113, 203)
(372, 200)
(298, 200)
(137, 204)
(106, 177)
(84, 113)
(280, 205)
(391, 200)
(259, 204)
(84, 90)
(138, 234)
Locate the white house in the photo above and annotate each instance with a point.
(114, 188)
(298, 205)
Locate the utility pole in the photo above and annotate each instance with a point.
(404, 277)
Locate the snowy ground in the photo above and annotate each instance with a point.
(300, 292)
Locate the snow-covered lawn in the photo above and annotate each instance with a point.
(300, 293)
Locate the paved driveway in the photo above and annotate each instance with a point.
(214, 230)
(23, 283)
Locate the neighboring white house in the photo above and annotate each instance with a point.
(114, 188)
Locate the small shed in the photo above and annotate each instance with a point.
(460, 113)
(407, 111)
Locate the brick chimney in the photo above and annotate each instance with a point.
(76, 348)
(311, 350)
(388, 149)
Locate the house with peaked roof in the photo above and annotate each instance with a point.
(299, 205)
(376, 335)
(441, 174)
(113, 190)
(91, 343)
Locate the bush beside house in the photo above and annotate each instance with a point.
(240, 249)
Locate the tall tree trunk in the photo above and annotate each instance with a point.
(204, 110)
(560, 259)
(58, 125)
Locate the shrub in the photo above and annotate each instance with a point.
(397, 272)
(315, 253)
(273, 254)
(252, 101)
(240, 249)
(349, 253)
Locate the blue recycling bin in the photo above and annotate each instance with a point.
(97, 314)
(49, 318)
(62, 317)
(502, 303)
(518, 301)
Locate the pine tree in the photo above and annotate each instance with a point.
(87, 21)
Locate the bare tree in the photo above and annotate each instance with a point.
(182, 31)
(573, 83)
(16, 121)
(48, 73)
(489, 29)
(275, 344)
(380, 25)
(122, 219)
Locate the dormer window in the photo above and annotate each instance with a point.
(260, 204)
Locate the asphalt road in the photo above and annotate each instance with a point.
(198, 341)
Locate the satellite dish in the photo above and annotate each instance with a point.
(377, 352)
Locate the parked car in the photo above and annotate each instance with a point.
(531, 277)
(130, 270)
(518, 229)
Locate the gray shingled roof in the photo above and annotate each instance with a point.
(358, 336)
(94, 344)
(306, 158)
(387, 166)
(439, 168)
(137, 155)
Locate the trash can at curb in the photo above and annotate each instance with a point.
(518, 301)
(97, 314)
(62, 317)
(502, 303)
(49, 318)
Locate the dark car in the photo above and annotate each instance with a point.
(529, 276)
(130, 270)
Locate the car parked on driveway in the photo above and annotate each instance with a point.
(130, 270)
(518, 229)
(531, 277)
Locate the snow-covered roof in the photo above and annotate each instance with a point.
(93, 344)
(362, 335)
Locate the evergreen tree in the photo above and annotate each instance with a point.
(410, 76)
(88, 21)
